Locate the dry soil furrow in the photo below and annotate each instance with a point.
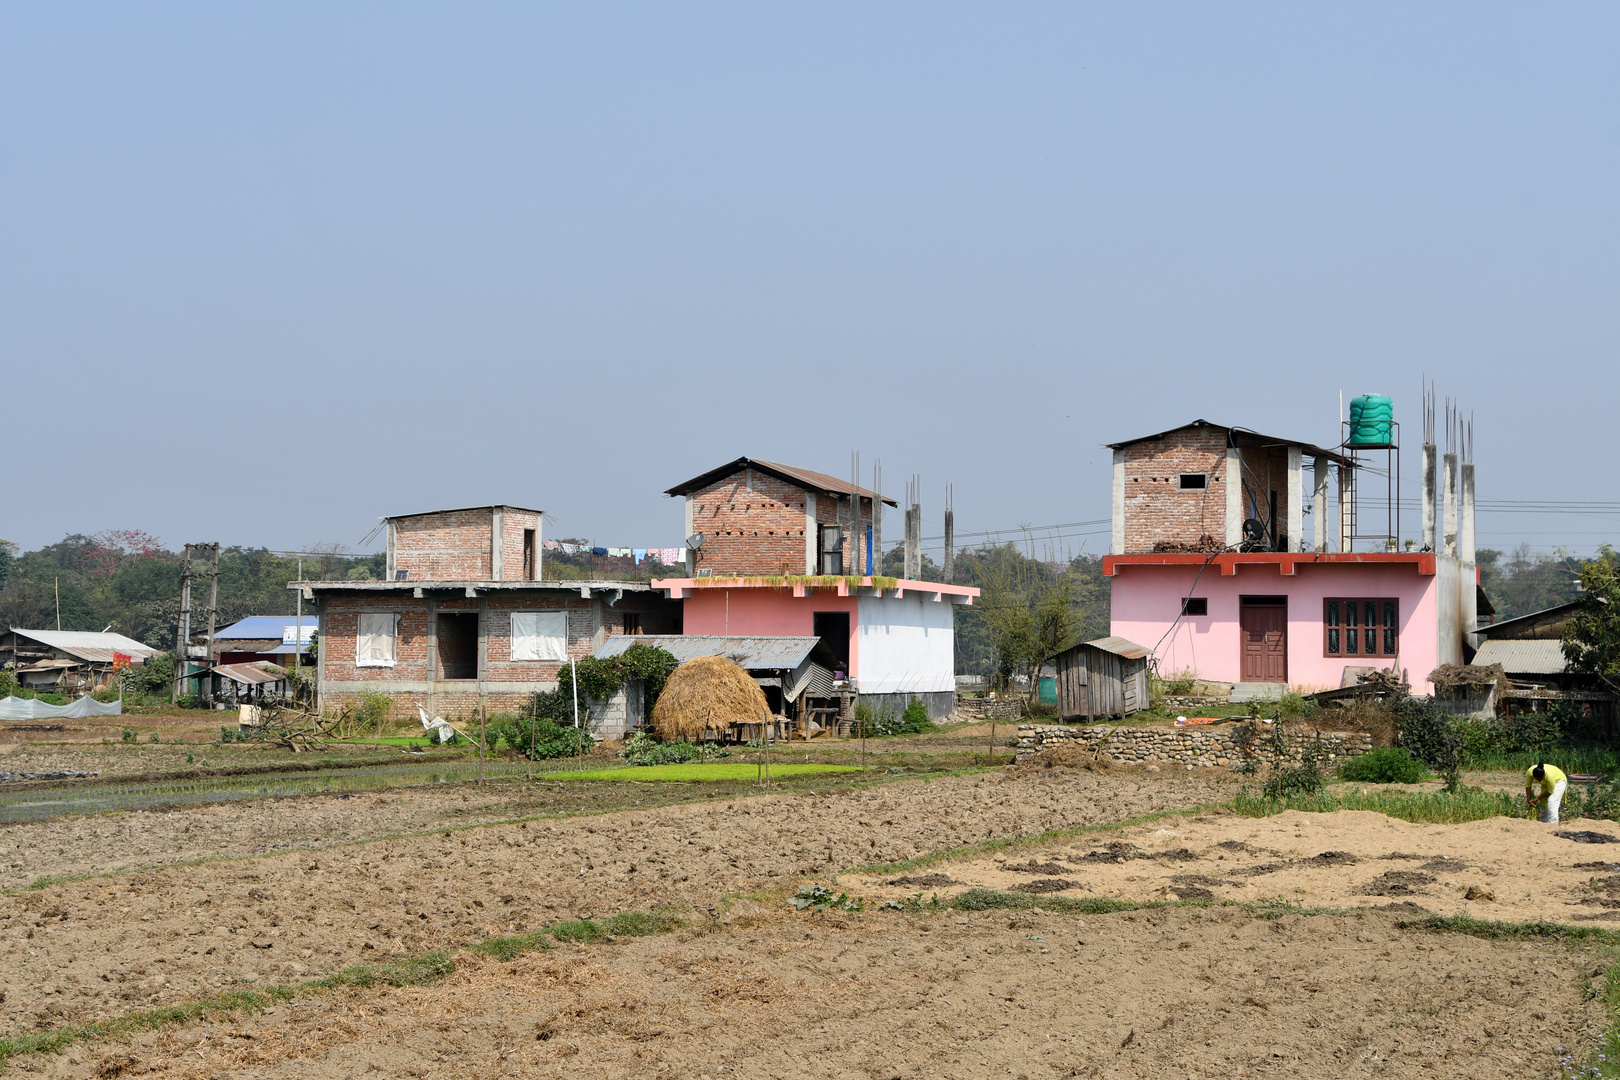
(96, 948)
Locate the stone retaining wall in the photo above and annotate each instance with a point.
(978, 708)
(1189, 705)
(1205, 746)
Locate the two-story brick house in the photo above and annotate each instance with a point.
(464, 619)
(786, 551)
(1212, 570)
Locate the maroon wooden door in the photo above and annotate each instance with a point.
(1265, 643)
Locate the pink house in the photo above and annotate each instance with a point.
(1211, 569)
(894, 639)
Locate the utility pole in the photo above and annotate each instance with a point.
(949, 575)
(182, 639)
(213, 618)
(59, 603)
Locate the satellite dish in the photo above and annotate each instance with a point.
(694, 541)
(1254, 531)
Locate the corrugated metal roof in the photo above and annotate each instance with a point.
(757, 653)
(272, 627)
(1529, 657)
(808, 479)
(1119, 646)
(1547, 618)
(248, 674)
(89, 646)
(1308, 448)
(460, 509)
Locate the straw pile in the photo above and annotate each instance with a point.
(707, 694)
(1460, 680)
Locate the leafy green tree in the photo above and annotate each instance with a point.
(1522, 582)
(1592, 635)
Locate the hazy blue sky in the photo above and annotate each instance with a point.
(270, 272)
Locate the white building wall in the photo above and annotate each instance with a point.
(905, 645)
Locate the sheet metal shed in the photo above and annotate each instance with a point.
(1105, 677)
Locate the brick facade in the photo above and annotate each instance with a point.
(417, 673)
(1156, 509)
(1159, 510)
(757, 524)
(460, 545)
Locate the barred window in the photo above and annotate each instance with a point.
(1360, 627)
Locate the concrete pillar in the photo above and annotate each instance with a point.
(497, 544)
(1117, 544)
(392, 561)
(950, 543)
(1347, 506)
(1319, 504)
(1448, 536)
(1465, 517)
(691, 556)
(812, 553)
(1234, 497)
(1429, 494)
(1296, 500)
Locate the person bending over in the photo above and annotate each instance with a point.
(1544, 787)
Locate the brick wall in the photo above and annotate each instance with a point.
(507, 682)
(1156, 509)
(755, 524)
(452, 546)
(512, 543)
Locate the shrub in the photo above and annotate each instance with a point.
(1385, 765)
(370, 712)
(643, 749)
(1292, 705)
(1430, 736)
(1287, 781)
(872, 722)
(535, 737)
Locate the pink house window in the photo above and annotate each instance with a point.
(1353, 626)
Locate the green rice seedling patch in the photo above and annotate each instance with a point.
(699, 772)
(404, 741)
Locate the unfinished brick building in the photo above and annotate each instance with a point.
(786, 552)
(759, 517)
(464, 620)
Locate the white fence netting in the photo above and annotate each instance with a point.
(15, 708)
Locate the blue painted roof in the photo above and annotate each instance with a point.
(263, 626)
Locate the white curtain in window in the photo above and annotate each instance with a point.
(374, 645)
(539, 635)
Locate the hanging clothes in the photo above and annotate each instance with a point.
(550, 545)
(598, 551)
(671, 556)
(569, 549)
(619, 553)
(638, 554)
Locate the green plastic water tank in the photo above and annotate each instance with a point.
(1372, 417)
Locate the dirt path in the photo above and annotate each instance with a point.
(96, 948)
(1163, 995)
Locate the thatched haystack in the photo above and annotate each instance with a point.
(708, 694)
(1462, 680)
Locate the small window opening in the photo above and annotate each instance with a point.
(1195, 605)
(1194, 481)
(632, 622)
(528, 554)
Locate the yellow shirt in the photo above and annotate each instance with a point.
(1554, 775)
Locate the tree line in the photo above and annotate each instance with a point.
(127, 581)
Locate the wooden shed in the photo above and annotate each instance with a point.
(1106, 677)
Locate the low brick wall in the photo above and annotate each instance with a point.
(1205, 746)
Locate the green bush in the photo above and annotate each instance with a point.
(535, 737)
(601, 677)
(1430, 735)
(873, 722)
(642, 749)
(1385, 765)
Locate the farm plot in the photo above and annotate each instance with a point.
(83, 950)
(1170, 993)
(1499, 868)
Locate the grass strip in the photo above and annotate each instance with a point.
(1419, 807)
(699, 771)
(423, 969)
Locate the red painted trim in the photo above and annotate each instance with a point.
(1285, 561)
